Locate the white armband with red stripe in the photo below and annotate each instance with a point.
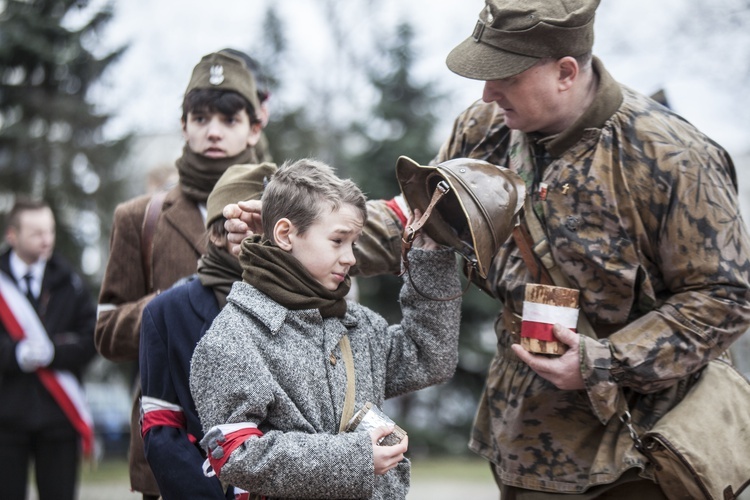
(157, 412)
(399, 207)
(222, 440)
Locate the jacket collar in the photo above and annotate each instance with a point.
(608, 99)
(202, 299)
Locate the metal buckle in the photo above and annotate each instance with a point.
(478, 30)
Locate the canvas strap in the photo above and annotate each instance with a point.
(153, 210)
(410, 233)
(533, 244)
(346, 353)
(411, 230)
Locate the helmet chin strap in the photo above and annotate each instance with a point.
(410, 233)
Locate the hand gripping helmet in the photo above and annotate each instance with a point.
(478, 209)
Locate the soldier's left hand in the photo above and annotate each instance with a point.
(563, 371)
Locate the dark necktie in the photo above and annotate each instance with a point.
(29, 293)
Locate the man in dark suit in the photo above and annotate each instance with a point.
(46, 341)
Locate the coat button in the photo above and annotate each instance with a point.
(333, 359)
(572, 223)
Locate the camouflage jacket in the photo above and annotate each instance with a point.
(642, 216)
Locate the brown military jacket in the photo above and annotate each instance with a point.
(178, 243)
(642, 216)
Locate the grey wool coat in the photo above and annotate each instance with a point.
(282, 370)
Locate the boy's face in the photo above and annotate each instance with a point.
(326, 249)
(215, 135)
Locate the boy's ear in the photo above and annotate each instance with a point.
(254, 135)
(281, 234)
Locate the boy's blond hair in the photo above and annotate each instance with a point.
(302, 190)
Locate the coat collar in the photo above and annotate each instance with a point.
(608, 99)
(202, 299)
(272, 314)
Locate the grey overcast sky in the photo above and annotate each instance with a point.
(168, 37)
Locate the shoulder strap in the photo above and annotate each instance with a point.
(534, 247)
(153, 210)
(346, 352)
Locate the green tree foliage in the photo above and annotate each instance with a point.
(402, 121)
(291, 131)
(51, 143)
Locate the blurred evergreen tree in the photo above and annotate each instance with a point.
(51, 141)
(291, 132)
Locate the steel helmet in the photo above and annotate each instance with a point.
(478, 211)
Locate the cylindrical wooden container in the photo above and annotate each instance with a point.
(545, 305)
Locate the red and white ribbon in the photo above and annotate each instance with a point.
(229, 438)
(22, 322)
(538, 320)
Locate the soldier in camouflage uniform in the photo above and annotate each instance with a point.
(641, 213)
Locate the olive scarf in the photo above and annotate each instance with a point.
(199, 174)
(219, 269)
(283, 278)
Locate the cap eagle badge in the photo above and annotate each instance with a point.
(216, 74)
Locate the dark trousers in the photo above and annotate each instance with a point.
(55, 452)
(628, 487)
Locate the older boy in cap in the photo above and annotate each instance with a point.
(157, 240)
(172, 325)
(640, 212)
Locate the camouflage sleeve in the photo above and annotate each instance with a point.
(696, 247)
(480, 133)
(378, 250)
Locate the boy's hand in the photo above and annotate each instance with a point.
(421, 240)
(243, 220)
(386, 458)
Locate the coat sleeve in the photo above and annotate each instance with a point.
(276, 464)
(698, 250)
(174, 459)
(74, 342)
(123, 294)
(423, 349)
(378, 250)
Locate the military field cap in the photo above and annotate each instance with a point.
(223, 71)
(261, 80)
(478, 213)
(513, 35)
(238, 183)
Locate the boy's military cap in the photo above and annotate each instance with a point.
(237, 183)
(513, 35)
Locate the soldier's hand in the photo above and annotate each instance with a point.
(243, 220)
(563, 371)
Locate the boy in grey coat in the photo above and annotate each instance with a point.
(270, 378)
